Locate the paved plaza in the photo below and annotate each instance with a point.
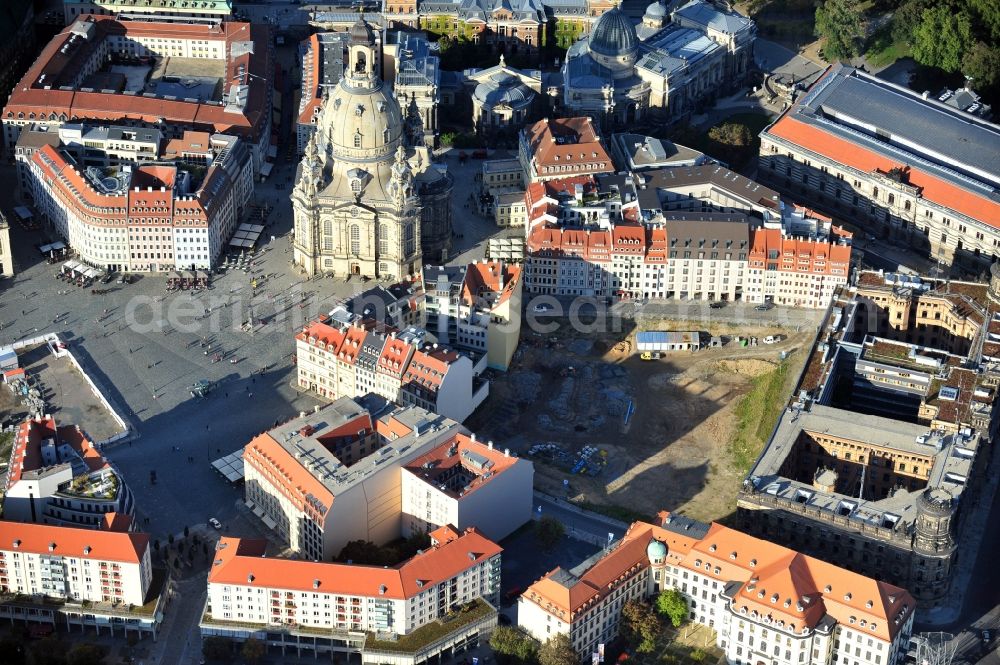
(149, 347)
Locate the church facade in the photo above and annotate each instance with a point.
(364, 203)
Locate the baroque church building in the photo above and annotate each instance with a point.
(364, 203)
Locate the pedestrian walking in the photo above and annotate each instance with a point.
(251, 395)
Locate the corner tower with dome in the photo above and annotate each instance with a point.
(363, 201)
(599, 76)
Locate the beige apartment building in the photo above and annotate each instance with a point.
(353, 356)
(475, 308)
(333, 476)
(467, 483)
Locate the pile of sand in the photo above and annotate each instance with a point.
(746, 366)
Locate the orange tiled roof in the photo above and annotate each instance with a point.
(797, 590)
(851, 154)
(583, 146)
(30, 96)
(797, 254)
(125, 547)
(442, 460)
(491, 276)
(237, 561)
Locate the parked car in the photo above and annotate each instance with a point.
(718, 304)
(651, 355)
(763, 308)
(542, 308)
(771, 339)
(216, 524)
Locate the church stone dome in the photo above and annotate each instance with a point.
(363, 123)
(614, 35)
(362, 33)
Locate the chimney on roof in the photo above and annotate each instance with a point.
(506, 452)
(86, 550)
(315, 584)
(489, 444)
(52, 547)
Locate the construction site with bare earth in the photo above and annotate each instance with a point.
(626, 433)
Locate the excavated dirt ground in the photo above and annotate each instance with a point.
(573, 391)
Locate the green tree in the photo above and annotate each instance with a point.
(511, 645)
(839, 22)
(988, 13)
(363, 552)
(548, 532)
(640, 627)
(982, 65)
(558, 651)
(217, 648)
(907, 19)
(672, 604)
(86, 654)
(253, 650)
(942, 38)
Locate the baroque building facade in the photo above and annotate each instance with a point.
(363, 203)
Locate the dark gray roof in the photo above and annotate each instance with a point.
(901, 118)
(685, 526)
(720, 176)
(702, 13)
(613, 34)
(705, 233)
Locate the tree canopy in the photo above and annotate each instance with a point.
(513, 646)
(558, 651)
(839, 22)
(639, 626)
(672, 604)
(548, 532)
(942, 38)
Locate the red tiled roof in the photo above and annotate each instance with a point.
(446, 457)
(125, 547)
(797, 254)
(851, 154)
(237, 561)
(807, 589)
(30, 97)
(582, 146)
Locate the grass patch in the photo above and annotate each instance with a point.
(622, 513)
(883, 50)
(433, 631)
(756, 415)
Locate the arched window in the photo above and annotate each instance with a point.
(355, 239)
(410, 239)
(327, 227)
